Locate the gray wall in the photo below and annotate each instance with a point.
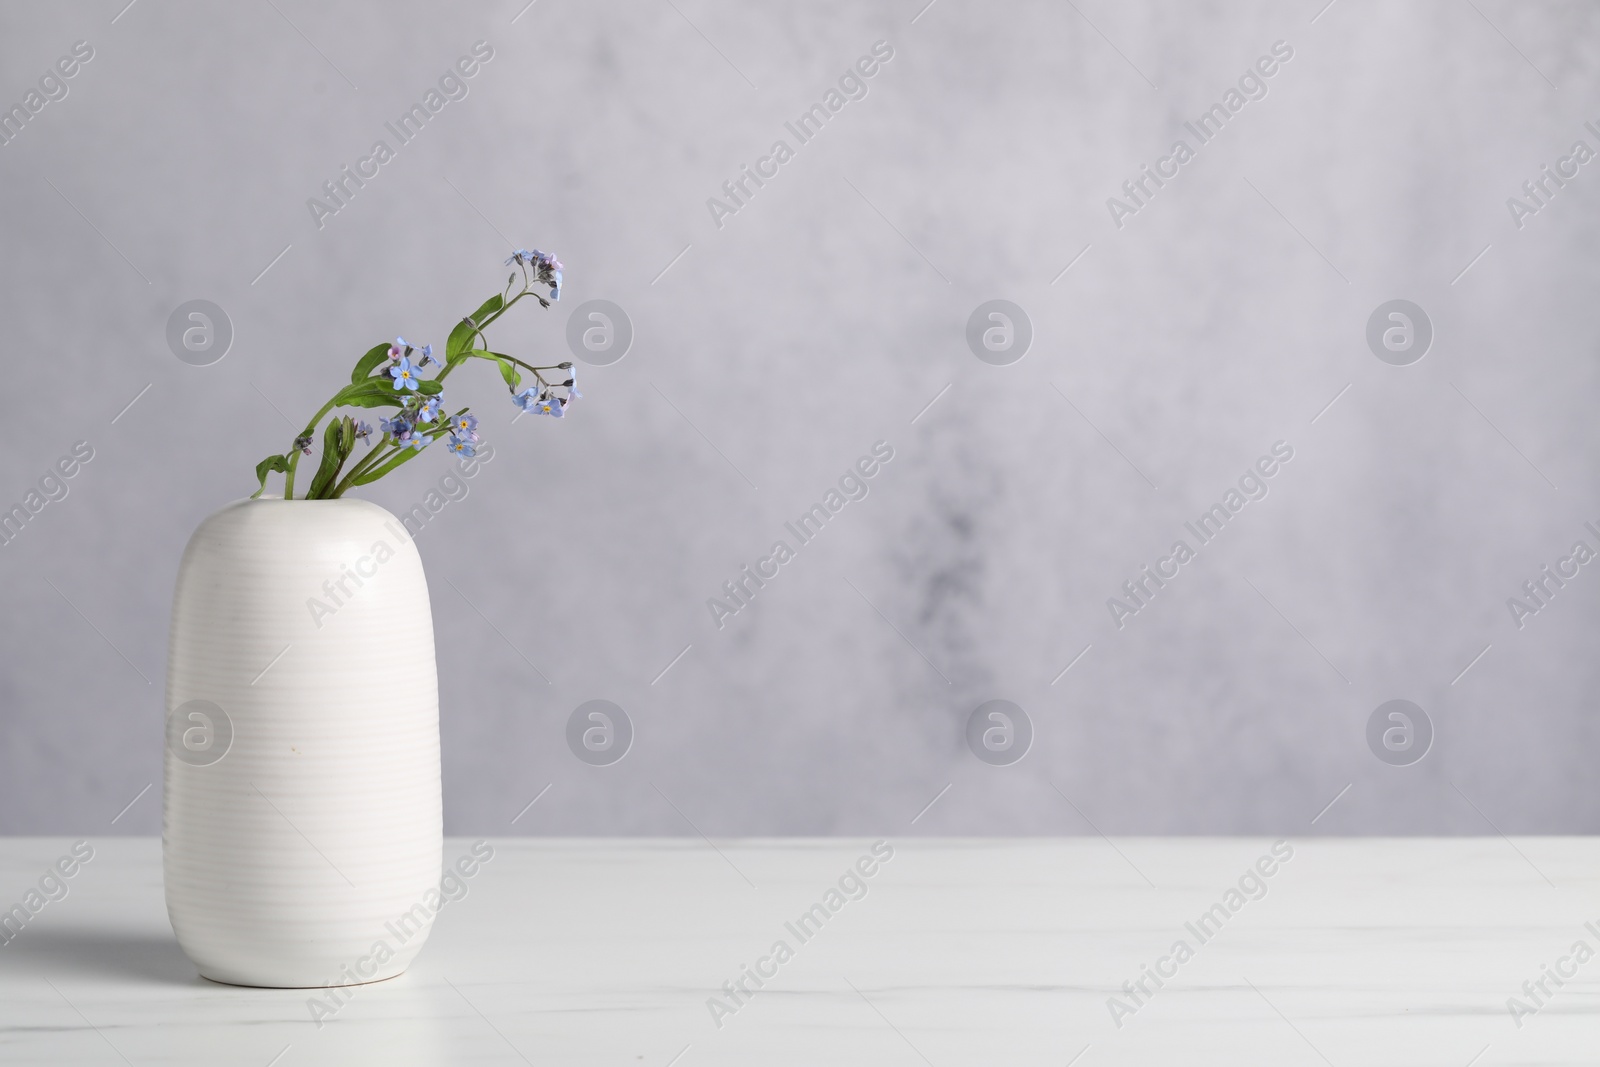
(1219, 319)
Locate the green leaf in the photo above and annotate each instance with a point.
(460, 341)
(405, 456)
(266, 466)
(364, 367)
(429, 387)
(508, 371)
(371, 393)
(461, 337)
(332, 459)
(386, 399)
(489, 307)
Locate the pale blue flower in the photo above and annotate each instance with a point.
(404, 375)
(549, 272)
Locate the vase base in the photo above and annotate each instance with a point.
(241, 984)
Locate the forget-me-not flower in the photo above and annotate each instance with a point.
(404, 375)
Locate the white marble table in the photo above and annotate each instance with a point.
(563, 951)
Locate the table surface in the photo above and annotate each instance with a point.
(584, 951)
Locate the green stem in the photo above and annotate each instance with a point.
(530, 366)
(508, 359)
(479, 327)
(387, 449)
(366, 463)
(326, 492)
(505, 306)
(294, 458)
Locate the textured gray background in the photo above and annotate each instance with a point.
(824, 316)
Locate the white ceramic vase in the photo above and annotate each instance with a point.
(302, 831)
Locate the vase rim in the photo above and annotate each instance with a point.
(278, 499)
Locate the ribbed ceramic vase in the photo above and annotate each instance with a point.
(302, 832)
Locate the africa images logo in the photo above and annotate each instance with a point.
(1252, 85)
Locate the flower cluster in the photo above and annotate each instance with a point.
(464, 434)
(390, 375)
(407, 428)
(546, 269)
(544, 400)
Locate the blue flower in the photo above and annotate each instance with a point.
(364, 431)
(540, 404)
(397, 427)
(573, 394)
(404, 375)
(546, 268)
(549, 271)
(465, 425)
(463, 445)
(430, 409)
(419, 441)
(427, 356)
